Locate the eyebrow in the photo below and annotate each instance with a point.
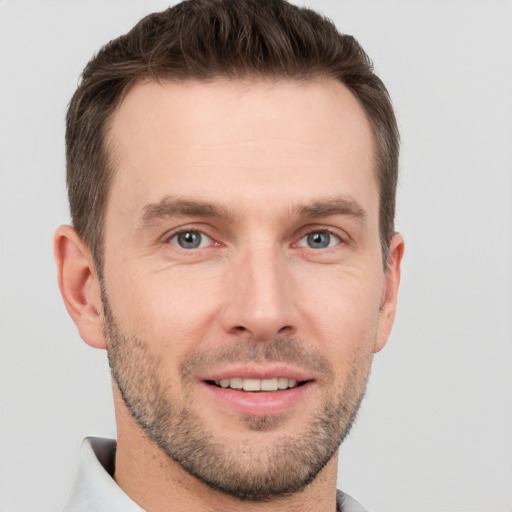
(336, 206)
(174, 207)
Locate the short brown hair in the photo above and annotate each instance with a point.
(205, 40)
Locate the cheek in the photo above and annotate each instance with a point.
(341, 310)
(169, 309)
(348, 334)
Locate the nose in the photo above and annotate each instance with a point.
(259, 297)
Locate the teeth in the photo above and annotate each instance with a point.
(236, 383)
(269, 385)
(252, 385)
(257, 384)
(282, 383)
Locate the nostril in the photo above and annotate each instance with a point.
(261, 332)
(241, 332)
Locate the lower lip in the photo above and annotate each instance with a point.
(259, 403)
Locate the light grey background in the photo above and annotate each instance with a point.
(435, 432)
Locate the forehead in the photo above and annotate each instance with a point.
(232, 140)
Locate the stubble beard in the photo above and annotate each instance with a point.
(245, 472)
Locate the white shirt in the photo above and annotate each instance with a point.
(94, 489)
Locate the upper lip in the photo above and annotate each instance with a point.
(255, 371)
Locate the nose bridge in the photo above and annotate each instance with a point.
(267, 279)
(260, 304)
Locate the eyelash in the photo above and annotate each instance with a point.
(341, 240)
(168, 239)
(329, 231)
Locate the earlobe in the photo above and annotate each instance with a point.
(79, 285)
(390, 293)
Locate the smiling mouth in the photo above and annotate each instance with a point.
(255, 385)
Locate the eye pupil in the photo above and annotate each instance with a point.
(319, 240)
(189, 239)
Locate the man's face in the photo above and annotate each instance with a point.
(243, 281)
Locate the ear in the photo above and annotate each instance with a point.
(79, 285)
(390, 292)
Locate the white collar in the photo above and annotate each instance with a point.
(94, 487)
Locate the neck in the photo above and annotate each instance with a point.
(159, 484)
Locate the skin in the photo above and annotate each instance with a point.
(278, 160)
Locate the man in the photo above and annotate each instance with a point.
(232, 170)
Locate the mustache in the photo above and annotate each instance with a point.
(278, 350)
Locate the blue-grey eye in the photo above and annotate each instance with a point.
(191, 240)
(319, 240)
